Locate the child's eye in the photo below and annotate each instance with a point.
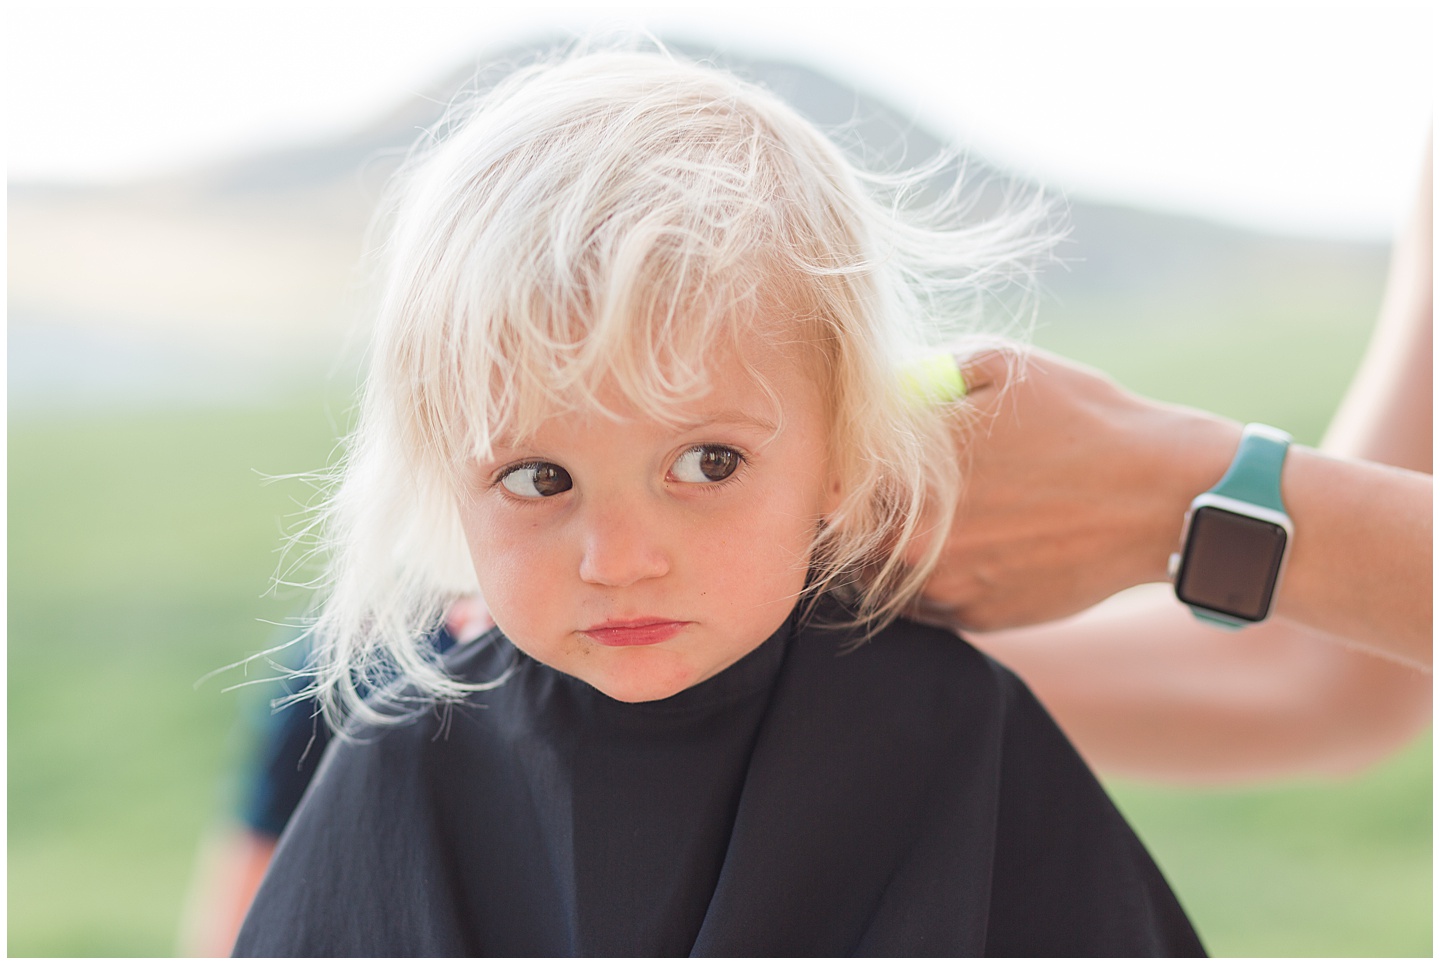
(537, 479)
(706, 464)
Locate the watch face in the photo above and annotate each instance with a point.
(1231, 563)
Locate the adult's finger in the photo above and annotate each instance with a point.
(988, 371)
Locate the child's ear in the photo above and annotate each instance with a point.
(834, 495)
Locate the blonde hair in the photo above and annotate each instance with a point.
(603, 222)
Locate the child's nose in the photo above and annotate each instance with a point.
(621, 549)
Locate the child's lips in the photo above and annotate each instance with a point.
(642, 632)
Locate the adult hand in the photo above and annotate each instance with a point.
(1074, 490)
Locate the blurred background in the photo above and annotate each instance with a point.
(189, 185)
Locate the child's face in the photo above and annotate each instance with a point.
(642, 558)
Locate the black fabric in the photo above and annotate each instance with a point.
(908, 796)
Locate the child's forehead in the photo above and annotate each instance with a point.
(750, 393)
(758, 423)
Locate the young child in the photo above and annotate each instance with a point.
(639, 379)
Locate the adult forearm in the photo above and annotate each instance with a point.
(1380, 592)
(1146, 691)
(1361, 564)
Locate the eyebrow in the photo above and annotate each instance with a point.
(728, 417)
(732, 417)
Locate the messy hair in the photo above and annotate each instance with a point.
(599, 225)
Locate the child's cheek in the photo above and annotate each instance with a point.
(515, 567)
(761, 550)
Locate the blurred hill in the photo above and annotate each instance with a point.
(240, 279)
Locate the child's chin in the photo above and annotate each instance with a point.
(639, 692)
(643, 684)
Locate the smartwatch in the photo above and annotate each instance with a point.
(1237, 536)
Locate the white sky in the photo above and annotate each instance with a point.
(1299, 117)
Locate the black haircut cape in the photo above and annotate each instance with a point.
(904, 797)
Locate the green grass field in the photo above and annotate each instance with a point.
(140, 546)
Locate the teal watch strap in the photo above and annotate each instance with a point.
(1217, 619)
(1254, 475)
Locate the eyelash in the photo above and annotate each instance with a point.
(504, 471)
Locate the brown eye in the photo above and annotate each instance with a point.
(706, 464)
(537, 479)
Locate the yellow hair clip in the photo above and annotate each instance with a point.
(933, 380)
